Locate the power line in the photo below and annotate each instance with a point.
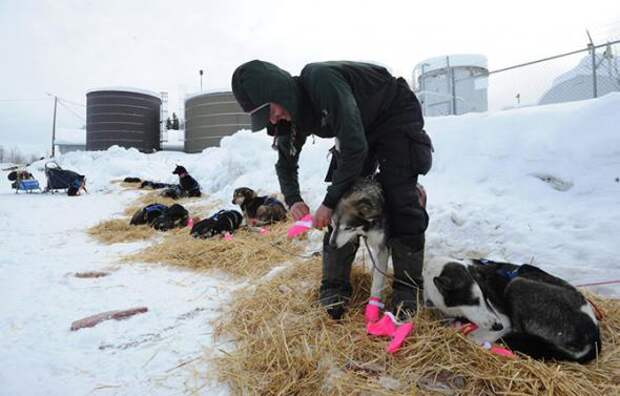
(24, 100)
(76, 107)
(72, 102)
(71, 111)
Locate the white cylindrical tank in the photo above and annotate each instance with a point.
(452, 84)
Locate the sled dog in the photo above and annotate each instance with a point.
(257, 210)
(360, 213)
(532, 311)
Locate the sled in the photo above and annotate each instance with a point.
(28, 186)
(22, 180)
(63, 179)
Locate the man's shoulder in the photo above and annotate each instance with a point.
(343, 69)
(321, 75)
(312, 69)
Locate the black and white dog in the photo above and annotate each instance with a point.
(532, 311)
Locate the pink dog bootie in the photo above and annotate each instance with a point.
(383, 327)
(373, 309)
(399, 336)
(300, 226)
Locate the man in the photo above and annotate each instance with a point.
(376, 121)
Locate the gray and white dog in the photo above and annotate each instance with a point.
(532, 311)
(360, 213)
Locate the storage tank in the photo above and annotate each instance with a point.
(126, 117)
(211, 116)
(453, 84)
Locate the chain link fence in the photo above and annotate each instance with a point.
(462, 85)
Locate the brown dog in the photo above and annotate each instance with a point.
(258, 210)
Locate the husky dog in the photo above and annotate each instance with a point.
(257, 210)
(532, 311)
(360, 213)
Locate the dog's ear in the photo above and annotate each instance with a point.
(444, 283)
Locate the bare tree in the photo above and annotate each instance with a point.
(1, 154)
(33, 158)
(16, 156)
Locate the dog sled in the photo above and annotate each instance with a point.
(63, 179)
(22, 180)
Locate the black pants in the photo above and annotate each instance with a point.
(401, 149)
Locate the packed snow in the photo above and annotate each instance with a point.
(538, 184)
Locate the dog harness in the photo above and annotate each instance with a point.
(155, 207)
(504, 273)
(272, 202)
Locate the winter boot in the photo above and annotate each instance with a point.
(407, 259)
(335, 289)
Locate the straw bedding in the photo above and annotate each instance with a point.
(285, 344)
(249, 254)
(119, 231)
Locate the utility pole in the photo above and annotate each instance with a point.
(54, 127)
(201, 73)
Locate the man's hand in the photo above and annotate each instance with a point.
(299, 210)
(322, 217)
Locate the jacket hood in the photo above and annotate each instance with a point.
(258, 82)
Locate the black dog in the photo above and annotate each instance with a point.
(148, 214)
(189, 185)
(222, 221)
(155, 185)
(175, 217)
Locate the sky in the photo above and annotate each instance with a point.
(66, 47)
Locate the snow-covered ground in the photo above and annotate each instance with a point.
(537, 184)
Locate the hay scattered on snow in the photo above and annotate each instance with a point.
(119, 230)
(128, 185)
(286, 344)
(249, 254)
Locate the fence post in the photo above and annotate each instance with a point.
(452, 85)
(594, 85)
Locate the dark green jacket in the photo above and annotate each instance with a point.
(349, 101)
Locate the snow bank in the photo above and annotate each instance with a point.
(536, 183)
